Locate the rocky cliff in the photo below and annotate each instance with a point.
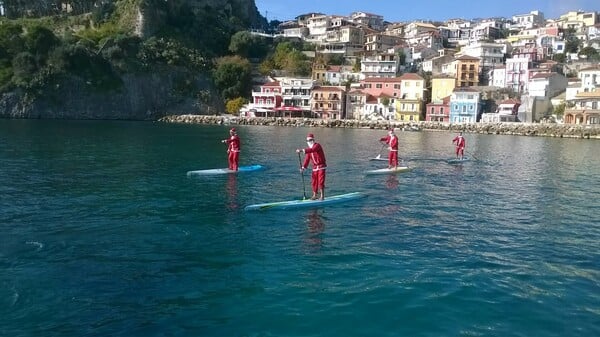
(164, 91)
(140, 97)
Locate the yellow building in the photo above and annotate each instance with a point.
(319, 71)
(577, 19)
(467, 71)
(442, 86)
(410, 103)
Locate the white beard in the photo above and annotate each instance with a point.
(310, 144)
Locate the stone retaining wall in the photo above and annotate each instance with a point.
(520, 129)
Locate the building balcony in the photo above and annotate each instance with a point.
(295, 96)
(265, 94)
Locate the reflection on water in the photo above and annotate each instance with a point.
(315, 226)
(392, 182)
(232, 192)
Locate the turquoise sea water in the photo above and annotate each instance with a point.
(103, 234)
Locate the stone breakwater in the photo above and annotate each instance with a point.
(518, 129)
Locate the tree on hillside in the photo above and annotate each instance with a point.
(234, 105)
(247, 45)
(572, 43)
(335, 59)
(24, 68)
(401, 57)
(356, 67)
(232, 77)
(296, 63)
(590, 53)
(40, 40)
(559, 57)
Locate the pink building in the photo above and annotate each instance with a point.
(267, 99)
(438, 112)
(375, 86)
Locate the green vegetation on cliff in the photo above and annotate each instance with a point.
(44, 43)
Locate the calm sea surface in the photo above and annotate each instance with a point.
(103, 234)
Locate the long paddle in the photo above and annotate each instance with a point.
(471, 154)
(379, 155)
(302, 174)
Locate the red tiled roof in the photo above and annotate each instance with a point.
(327, 88)
(334, 68)
(467, 58)
(271, 84)
(371, 99)
(382, 79)
(411, 76)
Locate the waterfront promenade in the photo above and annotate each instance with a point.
(518, 129)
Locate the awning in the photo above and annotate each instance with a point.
(288, 108)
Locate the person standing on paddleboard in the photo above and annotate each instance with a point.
(314, 153)
(392, 141)
(460, 145)
(233, 149)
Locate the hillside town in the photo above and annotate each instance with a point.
(525, 69)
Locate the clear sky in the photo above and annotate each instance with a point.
(437, 10)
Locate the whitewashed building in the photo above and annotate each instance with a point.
(547, 84)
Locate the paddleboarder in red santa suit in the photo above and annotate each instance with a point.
(314, 153)
(233, 149)
(392, 140)
(460, 145)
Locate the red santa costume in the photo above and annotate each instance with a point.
(392, 140)
(314, 153)
(460, 145)
(233, 149)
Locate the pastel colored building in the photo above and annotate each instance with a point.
(328, 102)
(376, 86)
(442, 86)
(438, 112)
(586, 109)
(265, 100)
(355, 102)
(465, 105)
(467, 71)
(410, 104)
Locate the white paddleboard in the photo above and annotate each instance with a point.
(398, 169)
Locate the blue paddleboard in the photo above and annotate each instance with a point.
(249, 168)
(335, 199)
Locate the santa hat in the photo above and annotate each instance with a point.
(310, 136)
(232, 130)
